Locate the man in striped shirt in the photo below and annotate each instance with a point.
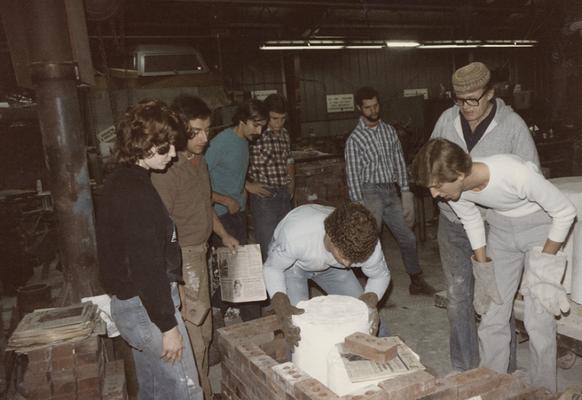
(374, 165)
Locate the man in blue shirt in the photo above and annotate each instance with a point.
(228, 160)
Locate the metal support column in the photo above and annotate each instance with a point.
(54, 76)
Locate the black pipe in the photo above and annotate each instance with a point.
(54, 75)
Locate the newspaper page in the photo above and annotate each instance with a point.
(241, 274)
(361, 369)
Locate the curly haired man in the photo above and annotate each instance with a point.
(323, 244)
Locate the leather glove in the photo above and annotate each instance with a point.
(485, 286)
(284, 310)
(408, 208)
(371, 300)
(542, 281)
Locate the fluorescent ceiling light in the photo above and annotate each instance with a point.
(402, 43)
(339, 44)
(364, 46)
(271, 47)
(465, 44)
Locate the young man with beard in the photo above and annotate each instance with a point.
(228, 160)
(482, 125)
(185, 190)
(374, 165)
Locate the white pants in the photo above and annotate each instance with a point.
(508, 241)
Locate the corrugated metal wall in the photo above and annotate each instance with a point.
(389, 71)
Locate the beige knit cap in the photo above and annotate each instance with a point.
(471, 77)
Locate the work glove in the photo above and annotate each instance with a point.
(284, 310)
(542, 281)
(485, 286)
(408, 208)
(371, 300)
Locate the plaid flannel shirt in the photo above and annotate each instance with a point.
(374, 155)
(269, 157)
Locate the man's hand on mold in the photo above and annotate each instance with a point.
(284, 310)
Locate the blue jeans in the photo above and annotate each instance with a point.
(338, 281)
(383, 202)
(267, 213)
(157, 379)
(455, 251)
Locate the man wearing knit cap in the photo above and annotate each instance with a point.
(482, 125)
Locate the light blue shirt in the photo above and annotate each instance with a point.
(298, 241)
(228, 159)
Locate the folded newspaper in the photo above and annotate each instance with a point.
(241, 274)
(361, 369)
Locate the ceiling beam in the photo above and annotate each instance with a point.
(380, 5)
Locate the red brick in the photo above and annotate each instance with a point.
(505, 389)
(42, 354)
(63, 382)
(368, 393)
(244, 352)
(114, 385)
(236, 384)
(371, 347)
(94, 394)
(443, 390)
(88, 384)
(88, 371)
(38, 367)
(262, 367)
(40, 392)
(88, 358)
(286, 375)
(64, 350)
(312, 389)
(88, 345)
(71, 396)
(32, 378)
(408, 386)
(492, 385)
(529, 394)
(63, 363)
(475, 381)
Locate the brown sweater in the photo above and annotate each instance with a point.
(185, 190)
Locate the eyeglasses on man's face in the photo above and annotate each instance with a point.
(470, 101)
(197, 131)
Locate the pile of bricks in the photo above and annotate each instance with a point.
(254, 367)
(321, 182)
(71, 370)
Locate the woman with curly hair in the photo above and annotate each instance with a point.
(139, 255)
(323, 244)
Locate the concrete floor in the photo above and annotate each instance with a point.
(423, 326)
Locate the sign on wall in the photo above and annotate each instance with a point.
(339, 102)
(263, 94)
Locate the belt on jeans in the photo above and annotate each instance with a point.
(390, 184)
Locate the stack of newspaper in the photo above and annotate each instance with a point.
(50, 325)
(361, 369)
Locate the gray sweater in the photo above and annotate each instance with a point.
(507, 134)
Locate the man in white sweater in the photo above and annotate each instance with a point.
(529, 219)
(324, 244)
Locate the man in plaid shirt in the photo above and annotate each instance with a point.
(374, 165)
(271, 174)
